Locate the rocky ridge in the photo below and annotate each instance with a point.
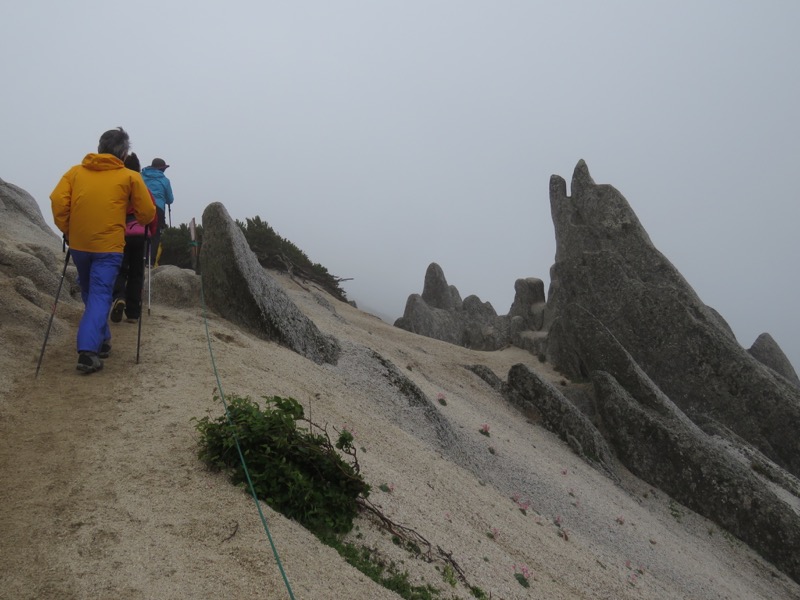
(659, 381)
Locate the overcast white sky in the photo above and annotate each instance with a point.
(382, 136)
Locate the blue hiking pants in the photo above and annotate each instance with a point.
(97, 272)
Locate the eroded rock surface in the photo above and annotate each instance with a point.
(237, 287)
(607, 267)
(440, 313)
(766, 350)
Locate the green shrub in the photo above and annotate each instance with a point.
(449, 575)
(275, 252)
(297, 471)
(478, 593)
(300, 473)
(271, 250)
(365, 560)
(176, 246)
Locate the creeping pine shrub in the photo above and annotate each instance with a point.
(296, 470)
(176, 246)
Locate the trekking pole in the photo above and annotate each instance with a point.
(169, 209)
(150, 270)
(53, 314)
(145, 260)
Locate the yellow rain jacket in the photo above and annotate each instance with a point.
(91, 200)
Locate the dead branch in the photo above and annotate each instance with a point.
(233, 533)
(412, 536)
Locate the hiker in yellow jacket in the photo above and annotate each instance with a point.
(89, 206)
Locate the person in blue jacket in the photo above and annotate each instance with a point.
(161, 188)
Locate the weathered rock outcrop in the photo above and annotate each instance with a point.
(29, 248)
(766, 351)
(20, 217)
(527, 390)
(174, 286)
(662, 446)
(31, 264)
(543, 403)
(435, 291)
(658, 377)
(699, 472)
(718, 476)
(606, 265)
(441, 314)
(237, 287)
(683, 405)
(529, 304)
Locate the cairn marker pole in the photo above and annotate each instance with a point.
(52, 314)
(193, 235)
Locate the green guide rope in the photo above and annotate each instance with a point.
(239, 449)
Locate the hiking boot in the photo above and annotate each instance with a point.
(105, 350)
(117, 309)
(89, 362)
(132, 320)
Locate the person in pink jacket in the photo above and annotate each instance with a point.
(130, 281)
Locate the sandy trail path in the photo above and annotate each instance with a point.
(103, 495)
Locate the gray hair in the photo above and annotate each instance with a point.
(116, 142)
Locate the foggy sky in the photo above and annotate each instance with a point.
(382, 136)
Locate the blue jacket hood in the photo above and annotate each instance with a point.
(149, 172)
